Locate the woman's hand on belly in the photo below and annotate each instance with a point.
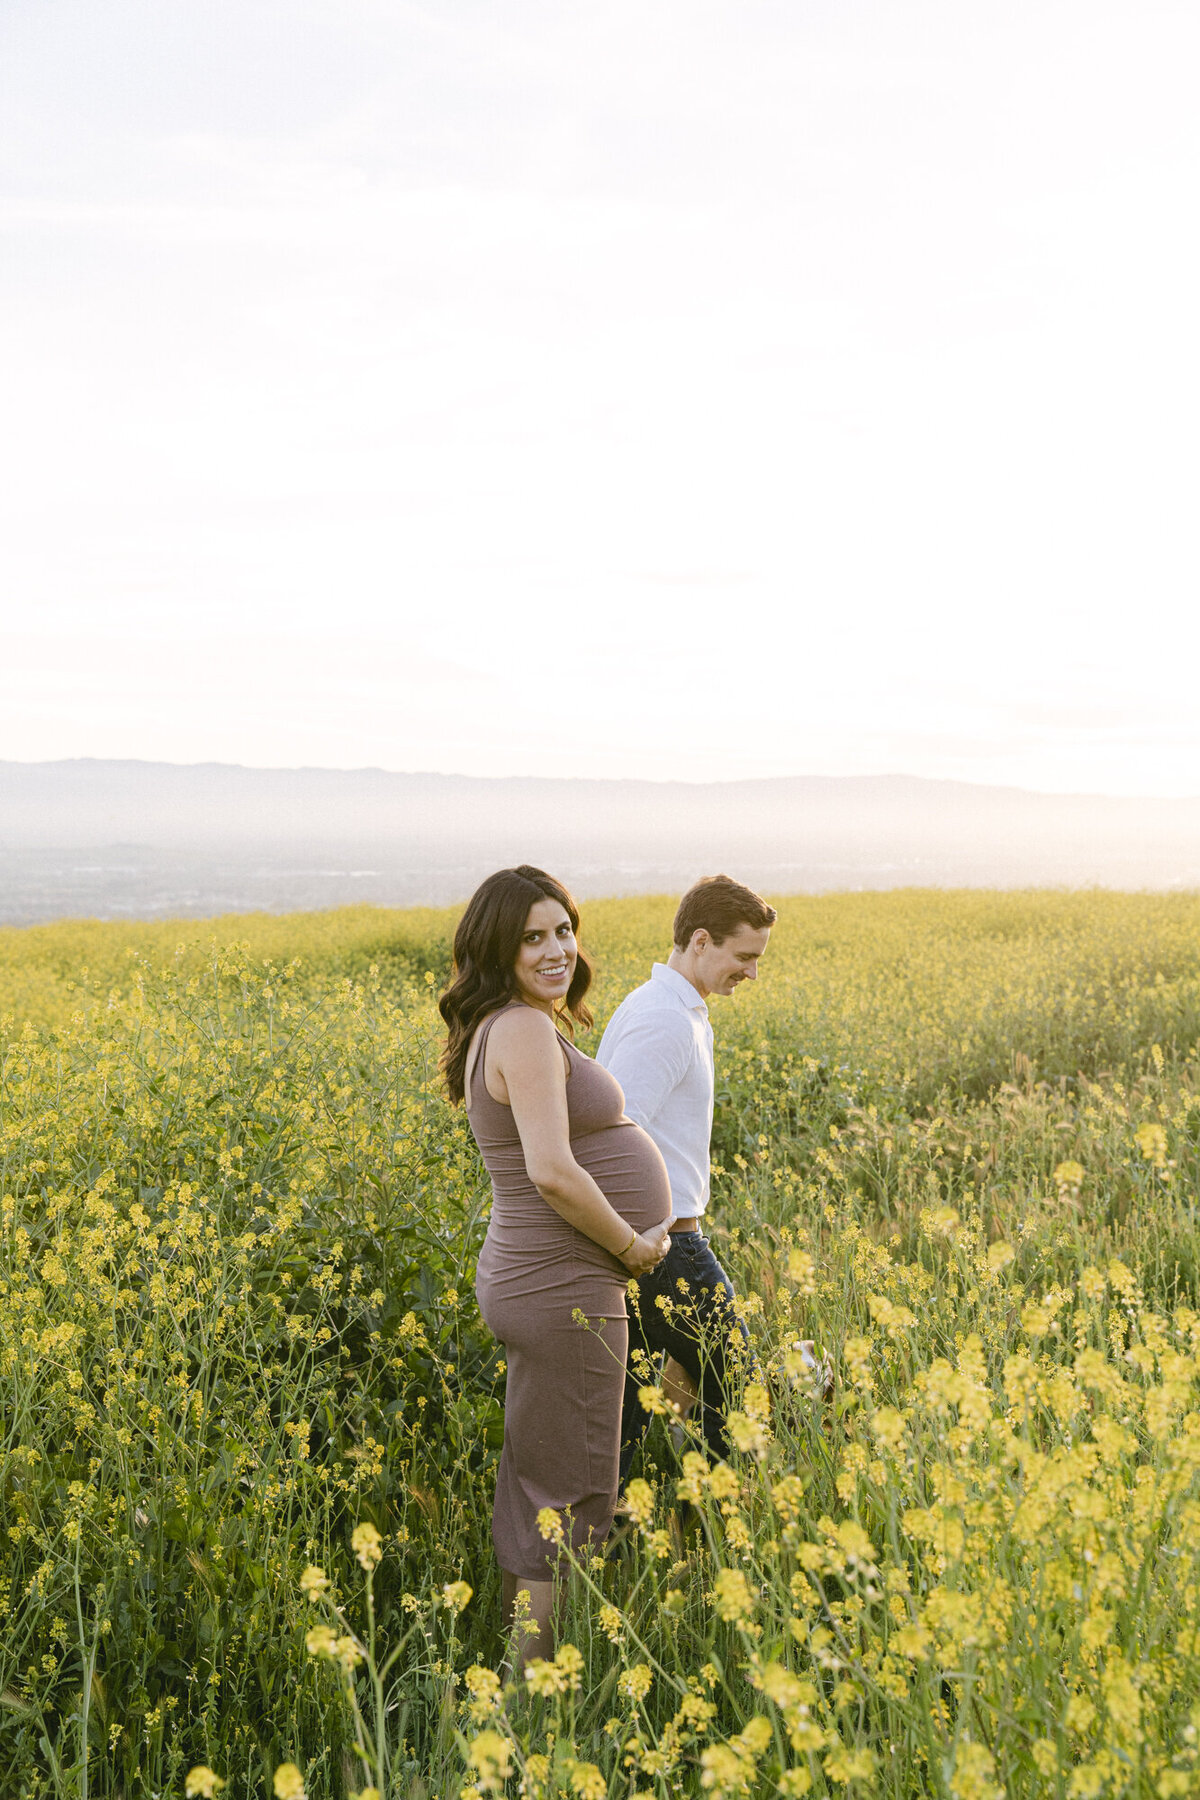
(647, 1249)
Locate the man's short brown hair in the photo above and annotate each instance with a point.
(718, 904)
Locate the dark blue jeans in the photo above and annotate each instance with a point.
(693, 1327)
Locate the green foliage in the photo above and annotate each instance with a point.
(957, 1144)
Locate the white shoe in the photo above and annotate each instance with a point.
(818, 1376)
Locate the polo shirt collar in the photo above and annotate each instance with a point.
(679, 985)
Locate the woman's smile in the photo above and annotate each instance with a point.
(547, 955)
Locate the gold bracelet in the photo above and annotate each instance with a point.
(628, 1247)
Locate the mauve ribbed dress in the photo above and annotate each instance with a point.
(562, 1403)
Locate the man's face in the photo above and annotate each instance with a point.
(723, 967)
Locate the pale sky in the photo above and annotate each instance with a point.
(669, 389)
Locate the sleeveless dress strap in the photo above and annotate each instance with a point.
(481, 1046)
(565, 1045)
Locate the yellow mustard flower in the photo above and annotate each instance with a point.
(201, 1783)
(587, 1781)
(490, 1755)
(314, 1582)
(731, 1596)
(749, 1435)
(635, 1683)
(974, 1774)
(367, 1545)
(639, 1501)
(569, 1659)
(610, 1622)
(543, 1677)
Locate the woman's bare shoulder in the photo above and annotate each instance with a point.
(521, 1027)
(527, 1040)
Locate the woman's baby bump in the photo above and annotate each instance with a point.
(627, 1167)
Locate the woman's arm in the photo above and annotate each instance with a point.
(524, 1051)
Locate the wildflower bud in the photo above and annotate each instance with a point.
(1152, 1142)
(723, 1482)
(802, 1271)
(491, 1756)
(1068, 1177)
(610, 1623)
(289, 1783)
(634, 1683)
(749, 1435)
(888, 1426)
(655, 1402)
(973, 1774)
(457, 1595)
(731, 1596)
(587, 1781)
(321, 1641)
(483, 1685)
(755, 1737)
(639, 1497)
(550, 1525)
(541, 1677)
(314, 1582)
(201, 1783)
(756, 1402)
(695, 1474)
(367, 1546)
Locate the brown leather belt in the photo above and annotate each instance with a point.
(685, 1225)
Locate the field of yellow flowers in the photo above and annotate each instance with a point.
(250, 1414)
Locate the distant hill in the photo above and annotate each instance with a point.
(121, 839)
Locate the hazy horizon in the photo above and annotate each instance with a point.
(530, 774)
(139, 839)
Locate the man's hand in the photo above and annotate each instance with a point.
(679, 1388)
(647, 1250)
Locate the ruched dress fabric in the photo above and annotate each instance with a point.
(564, 1382)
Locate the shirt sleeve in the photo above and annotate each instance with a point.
(650, 1059)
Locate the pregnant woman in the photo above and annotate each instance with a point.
(580, 1203)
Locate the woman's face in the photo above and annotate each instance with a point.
(546, 959)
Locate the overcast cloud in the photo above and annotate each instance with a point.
(686, 390)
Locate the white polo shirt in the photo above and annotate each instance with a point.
(659, 1045)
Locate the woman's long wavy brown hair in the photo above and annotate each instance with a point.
(485, 956)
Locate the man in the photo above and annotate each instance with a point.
(659, 1045)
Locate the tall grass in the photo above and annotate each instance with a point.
(956, 1144)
